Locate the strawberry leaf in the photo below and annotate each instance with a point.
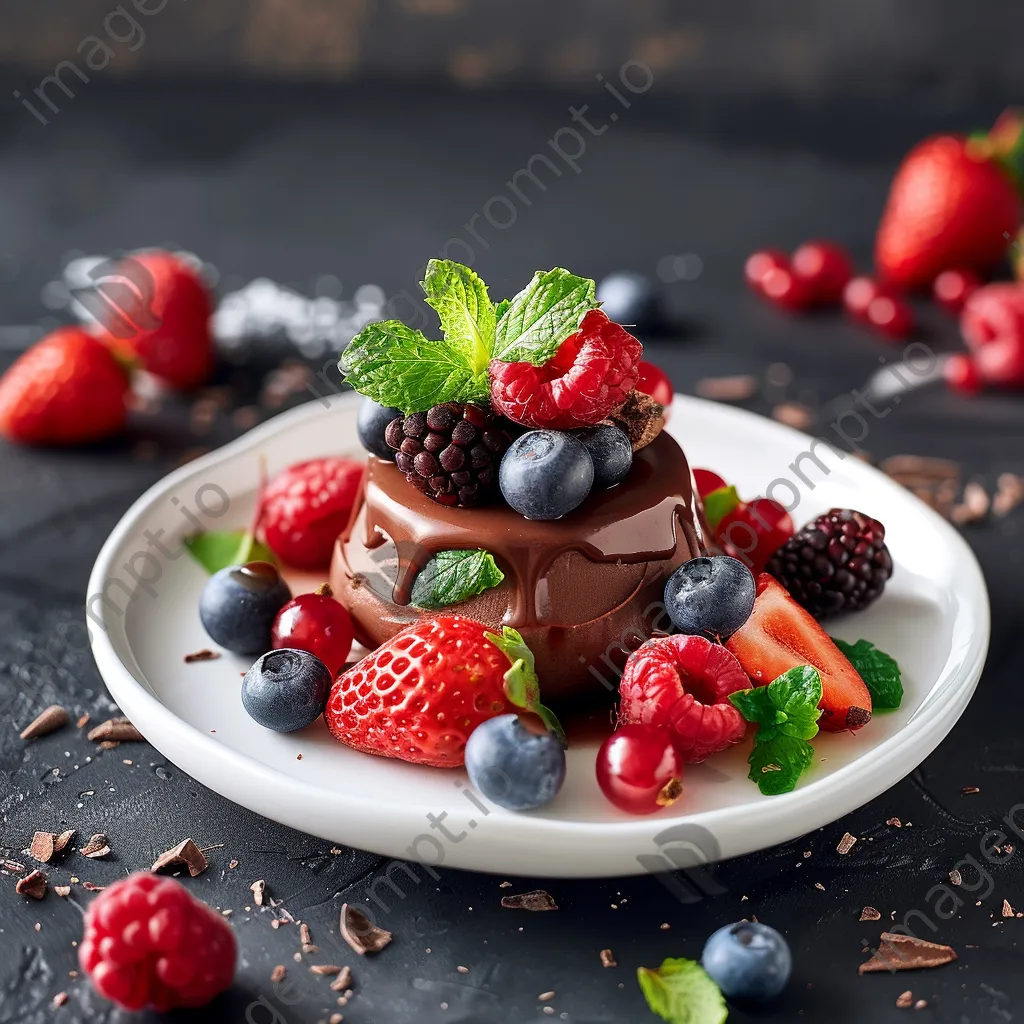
(776, 764)
(522, 687)
(681, 992)
(454, 576)
(880, 672)
(466, 312)
(542, 316)
(718, 504)
(217, 549)
(398, 366)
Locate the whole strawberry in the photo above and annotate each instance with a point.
(952, 204)
(156, 310)
(306, 506)
(149, 943)
(592, 372)
(420, 695)
(66, 389)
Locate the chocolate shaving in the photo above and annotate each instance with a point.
(62, 890)
(536, 900)
(50, 720)
(60, 999)
(204, 655)
(737, 388)
(1007, 909)
(92, 887)
(82, 721)
(608, 958)
(13, 866)
(955, 878)
(906, 953)
(41, 847)
(363, 936)
(342, 981)
(62, 840)
(905, 1000)
(96, 847)
(794, 415)
(258, 888)
(1009, 494)
(32, 885)
(895, 822)
(116, 730)
(185, 853)
(870, 914)
(640, 418)
(969, 790)
(846, 844)
(278, 973)
(325, 970)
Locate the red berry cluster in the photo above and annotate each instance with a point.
(149, 943)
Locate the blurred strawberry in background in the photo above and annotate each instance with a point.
(155, 310)
(954, 203)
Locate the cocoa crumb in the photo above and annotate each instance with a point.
(1009, 494)
(277, 975)
(92, 887)
(96, 847)
(50, 720)
(335, 1018)
(343, 981)
(116, 730)
(60, 999)
(975, 505)
(13, 866)
(955, 878)
(969, 790)
(62, 890)
(325, 970)
(921, 1004)
(204, 655)
(870, 914)
(363, 936)
(258, 888)
(32, 885)
(232, 864)
(895, 822)
(462, 970)
(640, 418)
(608, 958)
(82, 721)
(736, 388)
(1007, 909)
(846, 844)
(794, 415)
(545, 997)
(905, 1000)
(187, 854)
(906, 953)
(536, 900)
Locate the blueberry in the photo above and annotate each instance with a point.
(748, 961)
(710, 597)
(372, 421)
(514, 766)
(238, 606)
(611, 453)
(630, 298)
(286, 690)
(545, 474)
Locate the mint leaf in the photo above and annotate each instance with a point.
(466, 312)
(880, 672)
(718, 504)
(217, 549)
(681, 992)
(786, 713)
(522, 687)
(776, 764)
(398, 366)
(453, 576)
(542, 316)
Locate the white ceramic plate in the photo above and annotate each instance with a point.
(933, 617)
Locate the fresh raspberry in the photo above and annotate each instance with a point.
(420, 695)
(682, 683)
(825, 267)
(961, 374)
(159, 316)
(149, 943)
(952, 288)
(858, 295)
(759, 263)
(781, 286)
(592, 373)
(754, 532)
(67, 389)
(890, 315)
(306, 506)
(992, 324)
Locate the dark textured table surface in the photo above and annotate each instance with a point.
(297, 183)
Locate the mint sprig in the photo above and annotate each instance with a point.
(681, 992)
(217, 549)
(786, 713)
(465, 310)
(454, 576)
(880, 672)
(720, 503)
(542, 316)
(398, 366)
(522, 687)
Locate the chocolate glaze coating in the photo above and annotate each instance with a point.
(582, 589)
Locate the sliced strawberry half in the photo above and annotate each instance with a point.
(780, 635)
(682, 683)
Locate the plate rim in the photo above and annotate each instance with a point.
(175, 738)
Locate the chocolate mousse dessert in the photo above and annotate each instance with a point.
(517, 477)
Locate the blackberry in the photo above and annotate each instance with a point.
(837, 563)
(451, 452)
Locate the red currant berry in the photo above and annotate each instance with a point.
(759, 263)
(782, 287)
(755, 531)
(315, 623)
(891, 315)
(639, 769)
(961, 373)
(707, 481)
(653, 381)
(858, 294)
(952, 288)
(825, 267)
